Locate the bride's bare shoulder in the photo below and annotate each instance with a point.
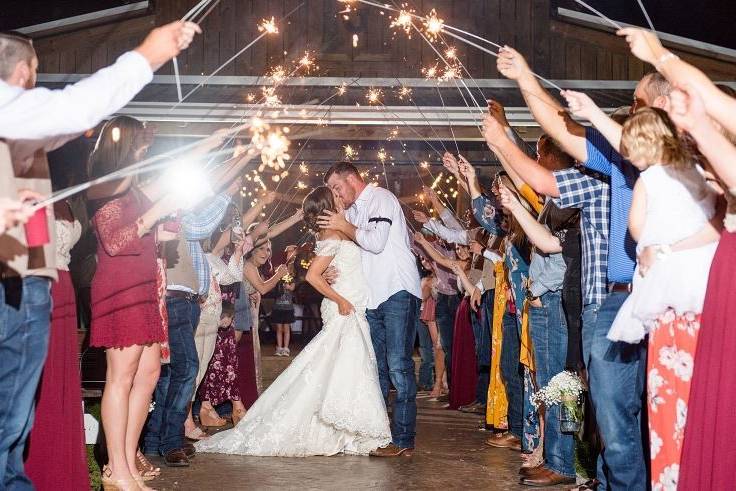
(332, 235)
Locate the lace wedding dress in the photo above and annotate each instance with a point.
(328, 401)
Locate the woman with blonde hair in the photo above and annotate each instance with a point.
(672, 202)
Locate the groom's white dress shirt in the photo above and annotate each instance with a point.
(41, 113)
(383, 237)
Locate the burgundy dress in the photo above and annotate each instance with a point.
(56, 454)
(464, 370)
(709, 451)
(220, 382)
(126, 290)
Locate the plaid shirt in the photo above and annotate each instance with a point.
(199, 225)
(584, 189)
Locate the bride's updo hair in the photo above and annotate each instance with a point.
(315, 204)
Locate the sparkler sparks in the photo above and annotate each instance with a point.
(301, 185)
(451, 53)
(424, 164)
(404, 93)
(268, 26)
(433, 25)
(374, 96)
(430, 72)
(382, 155)
(307, 63)
(270, 97)
(350, 152)
(403, 21)
(342, 89)
(450, 73)
(277, 74)
(304, 168)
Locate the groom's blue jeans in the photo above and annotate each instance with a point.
(393, 330)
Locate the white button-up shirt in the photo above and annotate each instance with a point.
(383, 237)
(42, 113)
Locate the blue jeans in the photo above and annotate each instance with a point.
(482, 334)
(445, 314)
(175, 387)
(426, 351)
(25, 317)
(393, 326)
(548, 329)
(513, 374)
(617, 382)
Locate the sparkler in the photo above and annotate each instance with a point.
(450, 73)
(403, 21)
(451, 53)
(382, 155)
(350, 152)
(342, 89)
(307, 63)
(304, 168)
(424, 164)
(430, 72)
(277, 74)
(433, 25)
(374, 96)
(270, 97)
(404, 92)
(268, 26)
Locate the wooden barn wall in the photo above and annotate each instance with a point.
(555, 48)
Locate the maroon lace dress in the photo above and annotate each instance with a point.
(127, 305)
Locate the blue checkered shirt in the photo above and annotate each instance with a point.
(603, 158)
(200, 225)
(584, 189)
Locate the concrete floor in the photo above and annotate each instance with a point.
(450, 455)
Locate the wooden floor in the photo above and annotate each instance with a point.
(450, 454)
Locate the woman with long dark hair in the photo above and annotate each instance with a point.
(128, 309)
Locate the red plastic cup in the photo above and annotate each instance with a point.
(37, 229)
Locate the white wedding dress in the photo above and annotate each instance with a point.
(328, 401)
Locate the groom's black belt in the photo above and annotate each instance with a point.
(380, 219)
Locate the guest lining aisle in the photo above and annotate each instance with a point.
(467, 310)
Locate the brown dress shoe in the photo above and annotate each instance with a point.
(176, 458)
(392, 450)
(504, 440)
(546, 478)
(530, 471)
(189, 450)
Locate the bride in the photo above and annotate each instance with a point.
(328, 401)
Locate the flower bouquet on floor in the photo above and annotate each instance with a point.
(565, 389)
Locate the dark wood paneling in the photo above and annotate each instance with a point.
(555, 49)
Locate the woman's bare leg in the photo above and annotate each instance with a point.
(140, 400)
(122, 366)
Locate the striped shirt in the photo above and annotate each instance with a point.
(603, 158)
(580, 188)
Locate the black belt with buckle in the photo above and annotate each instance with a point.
(192, 297)
(619, 287)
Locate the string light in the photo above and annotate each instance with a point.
(268, 26)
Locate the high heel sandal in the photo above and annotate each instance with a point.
(146, 469)
(110, 484)
(238, 414)
(209, 418)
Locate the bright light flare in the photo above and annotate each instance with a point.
(268, 26)
(115, 134)
(187, 183)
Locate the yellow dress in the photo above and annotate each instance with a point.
(497, 407)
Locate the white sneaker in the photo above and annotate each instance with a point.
(286, 352)
(279, 352)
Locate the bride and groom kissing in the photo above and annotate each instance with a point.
(332, 398)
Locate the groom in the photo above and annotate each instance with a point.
(375, 221)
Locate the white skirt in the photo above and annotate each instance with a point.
(677, 282)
